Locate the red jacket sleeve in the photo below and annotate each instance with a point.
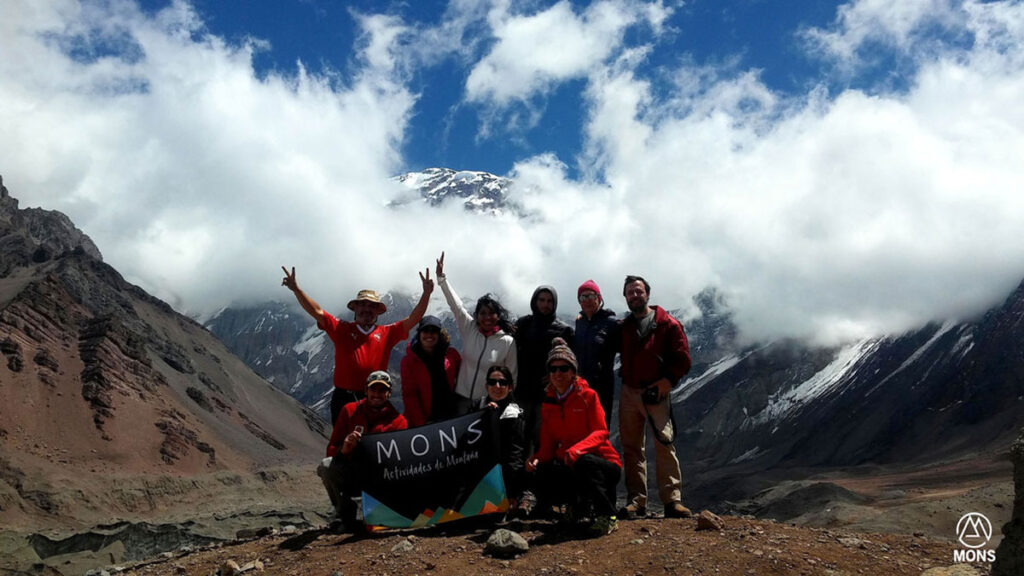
(454, 363)
(595, 422)
(412, 391)
(678, 352)
(546, 452)
(341, 429)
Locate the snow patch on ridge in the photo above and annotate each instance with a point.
(946, 327)
(782, 406)
(746, 455)
(692, 385)
(311, 342)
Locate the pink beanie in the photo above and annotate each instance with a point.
(589, 285)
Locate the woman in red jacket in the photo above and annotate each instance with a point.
(576, 464)
(428, 374)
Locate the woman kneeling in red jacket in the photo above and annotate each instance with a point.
(576, 464)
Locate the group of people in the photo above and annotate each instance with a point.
(551, 384)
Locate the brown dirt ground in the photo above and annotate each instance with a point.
(642, 547)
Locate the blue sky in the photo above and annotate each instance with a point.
(836, 170)
(446, 130)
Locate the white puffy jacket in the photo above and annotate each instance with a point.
(479, 352)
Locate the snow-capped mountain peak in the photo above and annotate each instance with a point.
(480, 192)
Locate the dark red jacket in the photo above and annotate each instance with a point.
(417, 392)
(373, 422)
(574, 427)
(665, 353)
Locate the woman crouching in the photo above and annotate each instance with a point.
(576, 464)
(512, 427)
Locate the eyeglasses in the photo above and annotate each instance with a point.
(497, 382)
(559, 368)
(588, 296)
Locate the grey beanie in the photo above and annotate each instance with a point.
(561, 351)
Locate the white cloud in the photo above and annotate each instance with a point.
(196, 178)
(826, 217)
(896, 24)
(534, 52)
(823, 215)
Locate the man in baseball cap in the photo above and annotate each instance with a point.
(373, 414)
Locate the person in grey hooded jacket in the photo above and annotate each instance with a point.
(534, 334)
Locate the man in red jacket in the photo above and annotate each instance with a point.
(371, 415)
(655, 357)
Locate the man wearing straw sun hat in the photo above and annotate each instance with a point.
(360, 347)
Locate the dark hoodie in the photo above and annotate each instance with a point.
(534, 333)
(597, 341)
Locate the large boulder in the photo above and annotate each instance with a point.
(1010, 554)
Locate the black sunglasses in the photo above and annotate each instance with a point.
(559, 368)
(497, 382)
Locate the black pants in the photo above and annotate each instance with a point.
(606, 394)
(341, 397)
(532, 413)
(590, 481)
(515, 481)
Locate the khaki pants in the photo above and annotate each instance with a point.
(342, 486)
(633, 427)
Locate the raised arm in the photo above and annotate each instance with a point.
(421, 306)
(463, 319)
(307, 303)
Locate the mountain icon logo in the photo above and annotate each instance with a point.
(973, 530)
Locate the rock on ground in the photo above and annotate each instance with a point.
(403, 547)
(708, 521)
(505, 543)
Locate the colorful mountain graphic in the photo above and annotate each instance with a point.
(487, 498)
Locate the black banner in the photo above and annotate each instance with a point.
(432, 474)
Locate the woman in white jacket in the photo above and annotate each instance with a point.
(486, 341)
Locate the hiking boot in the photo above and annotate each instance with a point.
(632, 512)
(677, 510)
(570, 515)
(603, 526)
(353, 526)
(525, 505)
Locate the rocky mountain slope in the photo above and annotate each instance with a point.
(113, 406)
(934, 394)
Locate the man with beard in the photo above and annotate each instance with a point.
(534, 333)
(362, 346)
(655, 357)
